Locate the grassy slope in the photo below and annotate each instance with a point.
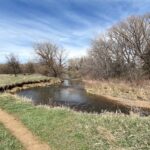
(11, 79)
(64, 129)
(7, 141)
(121, 89)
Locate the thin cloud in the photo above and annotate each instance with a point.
(70, 23)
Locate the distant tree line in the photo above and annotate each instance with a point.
(122, 51)
(51, 61)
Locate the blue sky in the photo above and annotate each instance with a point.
(69, 23)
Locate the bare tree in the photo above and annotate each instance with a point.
(124, 50)
(134, 35)
(52, 56)
(100, 56)
(13, 64)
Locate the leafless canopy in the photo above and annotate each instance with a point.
(52, 56)
(124, 50)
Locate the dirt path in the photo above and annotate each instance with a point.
(29, 141)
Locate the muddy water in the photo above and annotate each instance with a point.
(71, 94)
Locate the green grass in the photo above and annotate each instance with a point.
(64, 129)
(6, 79)
(7, 141)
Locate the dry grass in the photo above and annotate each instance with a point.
(122, 89)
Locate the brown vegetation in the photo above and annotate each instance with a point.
(135, 96)
(122, 52)
(122, 89)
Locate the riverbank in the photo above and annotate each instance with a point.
(134, 95)
(7, 79)
(63, 128)
(12, 84)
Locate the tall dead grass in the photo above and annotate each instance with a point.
(137, 90)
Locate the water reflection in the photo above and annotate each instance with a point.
(72, 94)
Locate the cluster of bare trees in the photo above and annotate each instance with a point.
(123, 51)
(51, 61)
(13, 66)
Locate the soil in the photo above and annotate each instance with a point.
(28, 140)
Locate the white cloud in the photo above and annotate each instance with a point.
(17, 34)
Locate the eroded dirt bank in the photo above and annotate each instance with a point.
(13, 88)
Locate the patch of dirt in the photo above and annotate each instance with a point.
(28, 140)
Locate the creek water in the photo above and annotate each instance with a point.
(72, 94)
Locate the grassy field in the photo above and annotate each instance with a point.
(11, 79)
(7, 141)
(122, 89)
(64, 129)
